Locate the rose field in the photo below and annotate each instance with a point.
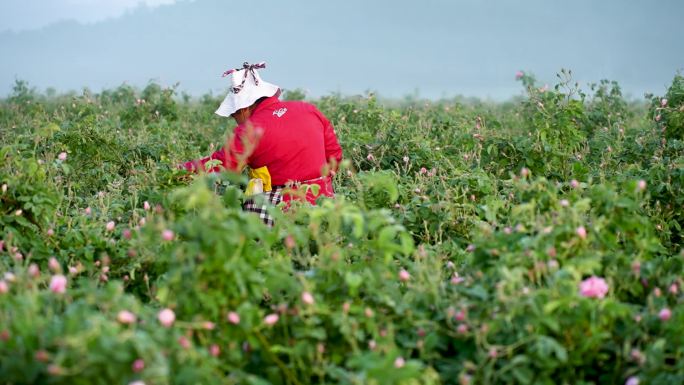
(533, 241)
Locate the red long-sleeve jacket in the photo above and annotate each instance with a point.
(293, 139)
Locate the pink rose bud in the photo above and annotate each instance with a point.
(462, 329)
(663, 102)
(184, 342)
(404, 275)
(524, 172)
(214, 350)
(553, 264)
(208, 325)
(423, 170)
(641, 185)
(166, 317)
(88, 211)
(33, 270)
(62, 156)
(307, 298)
(581, 232)
(665, 314)
(399, 363)
(657, 292)
(674, 289)
(58, 284)
(519, 75)
(50, 232)
(370, 157)
(456, 279)
(551, 252)
(54, 265)
(564, 203)
(146, 205)
(371, 344)
(167, 235)
(594, 287)
(271, 319)
(450, 265)
(4, 287)
(110, 226)
(233, 318)
(125, 317)
(460, 316)
(42, 356)
(138, 365)
(493, 353)
(142, 222)
(368, 312)
(574, 183)
(127, 234)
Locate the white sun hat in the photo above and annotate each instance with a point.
(246, 87)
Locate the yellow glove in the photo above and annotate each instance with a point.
(259, 181)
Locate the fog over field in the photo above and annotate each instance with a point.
(435, 48)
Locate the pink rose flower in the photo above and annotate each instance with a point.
(519, 75)
(574, 183)
(404, 275)
(58, 284)
(110, 226)
(663, 102)
(581, 232)
(399, 362)
(271, 319)
(594, 287)
(166, 317)
(307, 298)
(665, 314)
(462, 329)
(126, 317)
(62, 156)
(167, 235)
(214, 350)
(233, 318)
(146, 205)
(33, 270)
(138, 365)
(54, 265)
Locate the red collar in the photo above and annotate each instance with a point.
(266, 103)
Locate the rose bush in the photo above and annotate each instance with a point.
(534, 241)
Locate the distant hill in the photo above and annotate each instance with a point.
(438, 47)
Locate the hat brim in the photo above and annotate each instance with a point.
(245, 98)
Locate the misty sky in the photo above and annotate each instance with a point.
(438, 48)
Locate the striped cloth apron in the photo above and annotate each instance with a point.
(260, 203)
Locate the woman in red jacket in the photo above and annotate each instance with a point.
(291, 138)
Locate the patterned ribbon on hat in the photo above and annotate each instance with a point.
(249, 69)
